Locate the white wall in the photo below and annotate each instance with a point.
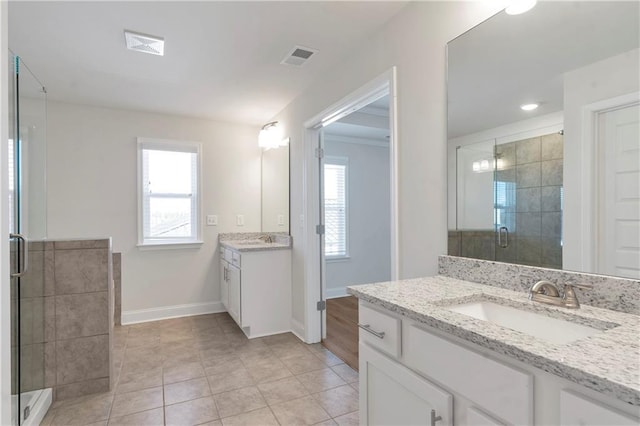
(92, 193)
(369, 217)
(612, 77)
(414, 41)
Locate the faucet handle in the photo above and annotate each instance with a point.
(570, 298)
(580, 286)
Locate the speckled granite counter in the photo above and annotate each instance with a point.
(250, 241)
(608, 362)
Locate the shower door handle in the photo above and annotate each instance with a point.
(505, 243)
(22, 244)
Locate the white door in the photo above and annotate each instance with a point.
(224, 284)
(235, 296)
(619, 192)
(391, 394)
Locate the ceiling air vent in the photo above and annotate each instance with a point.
(144, 43)
(298, 56)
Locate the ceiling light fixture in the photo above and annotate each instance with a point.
(144, 43)
(516, 7)
(271, 136)
(529, 107)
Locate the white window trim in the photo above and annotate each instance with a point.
(178, 146)
(342, 161)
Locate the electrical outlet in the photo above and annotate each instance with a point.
(281, 220)
(212, 220)
(240, 220)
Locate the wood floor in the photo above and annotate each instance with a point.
(342, 329)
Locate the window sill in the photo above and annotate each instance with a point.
(170, 246)
(337, 259)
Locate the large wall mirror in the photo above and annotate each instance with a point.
(543, 138)
(275, 190)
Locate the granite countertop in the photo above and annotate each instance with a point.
(607, 362)
(250, 241)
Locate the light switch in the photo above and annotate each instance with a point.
(212, 220)
(301, 221)
(281, 219)
(240, 220)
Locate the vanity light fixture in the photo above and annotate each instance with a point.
(529, 107)
(271, 136)
(516, 7)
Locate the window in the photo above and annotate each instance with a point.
(168, 192)
(335, 207)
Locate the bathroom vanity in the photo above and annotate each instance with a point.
(425, 359)
(255, 282)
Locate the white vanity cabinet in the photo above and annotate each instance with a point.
(255, 288)
(408, 369)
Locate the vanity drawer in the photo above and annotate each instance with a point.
(498, 388)
(379, 330)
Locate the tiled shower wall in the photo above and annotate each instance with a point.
(531, 174)
(78, 317)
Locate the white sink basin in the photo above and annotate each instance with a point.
(552, 330)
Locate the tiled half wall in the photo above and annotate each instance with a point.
(78, 307)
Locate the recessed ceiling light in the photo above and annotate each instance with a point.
(144, 43)
(529, 107)
(516, 7)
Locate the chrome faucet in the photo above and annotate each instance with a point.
(547, 292)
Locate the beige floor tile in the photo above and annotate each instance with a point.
(282, 390)
(134, 380)
(351, 419)
(180, 356)
(186, 391)
(303, 411)
(145, 418)
(141, 341)
(338, 401)
(355, 385)
(327, 357)
(90, 410)
(329, 422)
(180, 373)
(260, 417)
(280, 338)
(304, 363)
(289, 350)
(235, 379)
(192, 412)
(136, 401)
(320, 380)
(346, 373)
(268, 371)
(239, 401)
(212, 423)
(224, 364)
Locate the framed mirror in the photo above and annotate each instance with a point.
(544, 140)
(275, 190)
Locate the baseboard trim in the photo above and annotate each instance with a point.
(297, 328)
(166, 312)
(333, 293)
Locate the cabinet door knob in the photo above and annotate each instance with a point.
(434, 418)
(367, 328)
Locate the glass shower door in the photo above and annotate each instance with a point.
(27, 224)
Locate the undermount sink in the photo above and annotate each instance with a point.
(553, 330)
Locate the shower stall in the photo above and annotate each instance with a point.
(27, 224)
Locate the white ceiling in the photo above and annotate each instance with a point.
(510, 60)
(222, 59)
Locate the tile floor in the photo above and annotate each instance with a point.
(203, 370)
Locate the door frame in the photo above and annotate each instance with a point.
(589, 193)
(314, 279)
